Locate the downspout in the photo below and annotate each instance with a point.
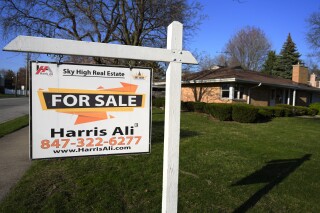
(249, 91)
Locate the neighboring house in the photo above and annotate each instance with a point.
(230, 85)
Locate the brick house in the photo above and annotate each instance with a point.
(230, 85)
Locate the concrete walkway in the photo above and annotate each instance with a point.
(14, 159)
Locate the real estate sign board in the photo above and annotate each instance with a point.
(84, 110)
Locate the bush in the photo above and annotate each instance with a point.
(158, 102)
(244, 113)
(313, 111)
(183, 106)
(223, 112)
(278, 111)
(288, 112)
(264, 114)
(189, 106)
(300, 110)
(315, 106)
(199, 106)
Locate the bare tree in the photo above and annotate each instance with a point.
(145, 21)
(129, 22)
(313, 35)
(133, 22)
(248, 48)
(75, 19)
(221, 60)
(199, 91)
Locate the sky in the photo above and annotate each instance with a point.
(277, 18)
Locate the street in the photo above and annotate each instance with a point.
(11, 108)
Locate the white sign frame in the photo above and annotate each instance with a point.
(43, 82)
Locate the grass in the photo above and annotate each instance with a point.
(8, 96)
(13, 125)
(224, 167)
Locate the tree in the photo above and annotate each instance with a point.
(248, 48)
(270, 64)
(313, 67)
(289, 56)
(10, 79)
(130, 22)
(21, 79)
(200, 91)
(313, 34)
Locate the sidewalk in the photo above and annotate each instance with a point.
(14, 159)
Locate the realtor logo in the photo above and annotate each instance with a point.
(44, 70)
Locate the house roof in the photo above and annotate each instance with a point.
(227, 74)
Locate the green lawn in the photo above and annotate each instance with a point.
(8, 96)
(224, 167)
(13, 125)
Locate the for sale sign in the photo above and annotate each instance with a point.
(82, 110)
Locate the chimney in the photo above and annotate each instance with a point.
(313, 80)
(300, 74)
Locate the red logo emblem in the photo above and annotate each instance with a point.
(44, 70)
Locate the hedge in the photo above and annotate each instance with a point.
(223, 112)
(189, 106)
(158, 102)
(297, 110)
(244, 113)
(264, 114)
(315, 106)
(199, 106)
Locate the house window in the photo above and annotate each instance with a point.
(225, 90)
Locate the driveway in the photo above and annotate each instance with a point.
(11, 108)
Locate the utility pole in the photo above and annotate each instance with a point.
(27, 71)
(27, 67)
(15, 86)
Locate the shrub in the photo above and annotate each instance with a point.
(315, 106)
(189, 106)
(223, 112)
(300, 110)
(278, 111)
(199, 106)
(287, 112)
(158, 102)
(313, 111)
(264, 114)
(244, 113)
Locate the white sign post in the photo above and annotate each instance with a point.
(172, 123)
(173, 54)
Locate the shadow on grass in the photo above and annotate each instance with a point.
(158, 132)
(273, 173)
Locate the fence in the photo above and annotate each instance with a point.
(12, 92)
